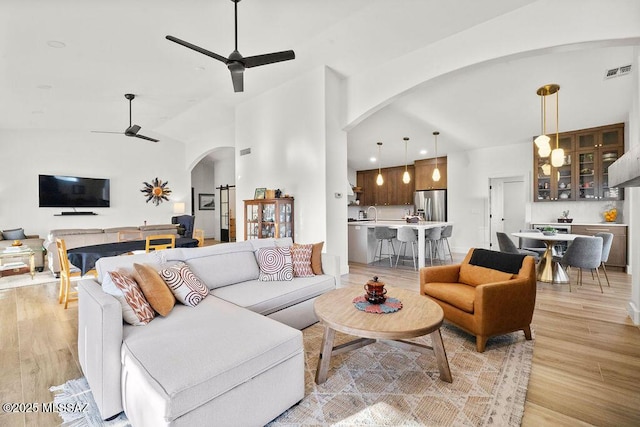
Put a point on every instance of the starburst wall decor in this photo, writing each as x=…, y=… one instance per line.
x=157, y=191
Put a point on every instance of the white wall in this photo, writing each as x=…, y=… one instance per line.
x=285, y=129
x=203, y=181
x=127, y=162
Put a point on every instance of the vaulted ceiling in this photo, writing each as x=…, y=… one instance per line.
x=66, y=65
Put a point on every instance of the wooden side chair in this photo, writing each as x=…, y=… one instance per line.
x=66, y=273
x=150, y=245
x=198, y=234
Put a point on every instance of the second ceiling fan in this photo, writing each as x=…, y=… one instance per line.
x=132, y=130
x=236, y=63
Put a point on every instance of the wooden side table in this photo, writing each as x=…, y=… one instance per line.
x=418, y=316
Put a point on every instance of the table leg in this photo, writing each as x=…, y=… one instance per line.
x=325, y=355
x=32, y=265
x=421, y=254
x=441, y=356
x=550, y=271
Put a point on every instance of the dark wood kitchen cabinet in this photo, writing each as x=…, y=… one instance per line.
x=618, y=254
x=392, y=192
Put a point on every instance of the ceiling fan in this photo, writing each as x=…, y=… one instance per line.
x=236, y=63
x=132, y=130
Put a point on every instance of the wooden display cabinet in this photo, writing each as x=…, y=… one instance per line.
x=551, y=183
x=268, y=218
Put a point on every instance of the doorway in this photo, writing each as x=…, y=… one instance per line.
x=227, y=216
x=507, y=205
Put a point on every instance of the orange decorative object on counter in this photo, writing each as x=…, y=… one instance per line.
x=611, y=215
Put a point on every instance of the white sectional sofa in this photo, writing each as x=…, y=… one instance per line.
x=236, y=359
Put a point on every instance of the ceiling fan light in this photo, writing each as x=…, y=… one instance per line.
x=436, y=174
x=544, y=151
x=405, y=177
x=379, y=179
x=542, y=141
x=557, y=157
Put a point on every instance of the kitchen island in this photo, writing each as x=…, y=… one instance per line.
x=362, y=243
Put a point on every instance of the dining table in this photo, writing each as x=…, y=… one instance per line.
x=85, y=257
x=548, y=269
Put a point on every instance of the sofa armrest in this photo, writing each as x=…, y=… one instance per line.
x=100, y=332
x=439, y=274
x=331, y=266
x=506, y=303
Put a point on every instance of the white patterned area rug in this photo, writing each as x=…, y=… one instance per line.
x=380, y=385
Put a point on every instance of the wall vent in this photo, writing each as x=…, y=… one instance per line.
x=618, y=71
x=245, y=151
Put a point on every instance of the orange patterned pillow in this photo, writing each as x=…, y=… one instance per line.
x=475, y=275
x=301, y=259
x=141, y=312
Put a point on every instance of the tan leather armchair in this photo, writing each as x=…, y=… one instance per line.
x=490, y=293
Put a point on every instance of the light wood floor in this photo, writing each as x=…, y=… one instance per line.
x=586, y=363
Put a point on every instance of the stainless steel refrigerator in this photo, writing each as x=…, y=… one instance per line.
x=433, y=203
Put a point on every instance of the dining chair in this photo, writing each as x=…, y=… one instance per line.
x=584, y=252
x=532, y=244
x=506, y=245
x=67, y=271
x=129, y=235
x=198, y=234
x=150, y=245
x=407, y=235
x=607, y=241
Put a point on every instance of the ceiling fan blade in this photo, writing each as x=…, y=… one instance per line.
x=132, y=130
x=237, y=76
x=268, y=58
x=198, y=49
x=105, y=131
x=146, y=137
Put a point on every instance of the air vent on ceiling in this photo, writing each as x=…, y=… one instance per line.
x=245, y=151
x=618, y=71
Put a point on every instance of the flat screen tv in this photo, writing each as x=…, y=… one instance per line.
x=57, y=191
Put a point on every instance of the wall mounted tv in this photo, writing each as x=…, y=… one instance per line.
x=57, y=191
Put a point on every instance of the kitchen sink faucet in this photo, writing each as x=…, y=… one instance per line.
x=375, y=210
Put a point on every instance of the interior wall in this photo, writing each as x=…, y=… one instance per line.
x=203, y=182
x=127, y=162
x=285, y=130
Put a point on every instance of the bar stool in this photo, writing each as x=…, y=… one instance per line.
x=432, y=236
x=447, y=231
x=404, y=236
x=383, y=234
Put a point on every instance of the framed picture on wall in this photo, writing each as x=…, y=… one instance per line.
x=260, y=192
x=206, y=202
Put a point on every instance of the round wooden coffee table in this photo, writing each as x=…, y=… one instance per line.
x=418, y=316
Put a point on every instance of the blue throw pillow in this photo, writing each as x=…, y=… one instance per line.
x=15, y=234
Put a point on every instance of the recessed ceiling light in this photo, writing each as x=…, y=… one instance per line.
x=372, y=159
x=44, y=86
x=200, y=69
x=423, y=152
x=55, y=43
x=37, y=112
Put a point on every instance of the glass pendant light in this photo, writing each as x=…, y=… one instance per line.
x=557, y=155
x=436, y=171
x=542, y=141
x=379, y=179
x=406, y=178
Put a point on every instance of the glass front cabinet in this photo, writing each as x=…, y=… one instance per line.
x=268, y=218
x=584, y=173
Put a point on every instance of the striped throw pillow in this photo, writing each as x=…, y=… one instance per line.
x=140, y=312
x=301, y=259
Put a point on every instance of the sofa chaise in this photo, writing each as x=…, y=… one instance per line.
x=237, y=358
x=77, y=237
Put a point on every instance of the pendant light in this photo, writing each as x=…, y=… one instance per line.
x=436, y=171
x=542, y=141
x=405, y=176
x=379, y=179
x=557, y=154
